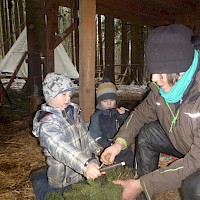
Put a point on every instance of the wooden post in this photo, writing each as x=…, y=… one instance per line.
x=36, y=43
x=87, y=37
x=52, y=27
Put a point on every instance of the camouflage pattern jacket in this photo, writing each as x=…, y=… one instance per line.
x=66, y=143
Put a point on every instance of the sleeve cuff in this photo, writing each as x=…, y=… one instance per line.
x=89, y=161
x=123, y=141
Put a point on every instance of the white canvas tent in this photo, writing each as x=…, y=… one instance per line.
x=63, y=64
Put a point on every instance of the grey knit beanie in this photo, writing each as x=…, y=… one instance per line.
x=106, y=90
x=55, y=84
x=169, y=49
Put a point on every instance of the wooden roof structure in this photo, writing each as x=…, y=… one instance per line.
x=150, y=13
x=146, y=12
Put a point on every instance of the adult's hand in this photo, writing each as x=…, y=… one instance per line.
x=109, y=154
x=132, y=188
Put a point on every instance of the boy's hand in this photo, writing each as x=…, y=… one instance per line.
x=92, y=171
x=121, y=110
x=109, y=154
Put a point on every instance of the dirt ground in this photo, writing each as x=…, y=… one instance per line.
x=19, y=154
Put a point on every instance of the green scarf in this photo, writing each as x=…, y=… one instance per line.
x=178, y=89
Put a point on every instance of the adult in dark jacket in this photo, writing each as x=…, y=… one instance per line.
x=107, y=120
x=168, y=120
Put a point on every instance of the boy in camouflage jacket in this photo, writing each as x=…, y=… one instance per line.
x=63, y=136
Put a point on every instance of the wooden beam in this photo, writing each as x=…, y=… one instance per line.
x=183, y=6
x=87, y=35
x=136, y=12
x=134, y=18
x=146, y=6
x=73, y=4
x=17, y=69
x=61, y=36
x=144, y=12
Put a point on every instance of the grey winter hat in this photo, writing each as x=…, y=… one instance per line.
x=169, y=49
x=55, y=84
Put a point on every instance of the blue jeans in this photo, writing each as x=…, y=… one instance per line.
x=40, y=184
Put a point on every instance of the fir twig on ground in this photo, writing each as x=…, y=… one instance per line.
x=101, y=188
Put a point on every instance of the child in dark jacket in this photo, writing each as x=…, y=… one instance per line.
x=107, y=120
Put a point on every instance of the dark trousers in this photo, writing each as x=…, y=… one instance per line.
x=40, y=184
x=151, y=141
x=127, y=156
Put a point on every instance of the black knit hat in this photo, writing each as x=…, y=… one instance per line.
x=196, y=41
x=169, y=49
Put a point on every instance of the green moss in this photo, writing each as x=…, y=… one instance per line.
x=101, y=188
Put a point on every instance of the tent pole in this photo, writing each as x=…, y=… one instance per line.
x=4, y=90
x=16, y=70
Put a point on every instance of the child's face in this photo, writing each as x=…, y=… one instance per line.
x=62, y=100
x=108, y=103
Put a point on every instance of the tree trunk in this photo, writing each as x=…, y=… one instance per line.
x=5, y=27
x=72, y=38
x=109, y=49
x=2, y=28
x=10, y=19
x=99, y=51
x=137, y=56
x=17, y=20
x=100, y=41
x=75, y=12
x=124, y=52
x=142, y=74
x=21, y=14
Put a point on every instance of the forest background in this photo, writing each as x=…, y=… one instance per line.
x=123, y=40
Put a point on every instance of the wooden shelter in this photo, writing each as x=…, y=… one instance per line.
x=150, y=13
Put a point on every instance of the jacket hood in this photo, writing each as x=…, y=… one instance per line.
x=47, y=110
